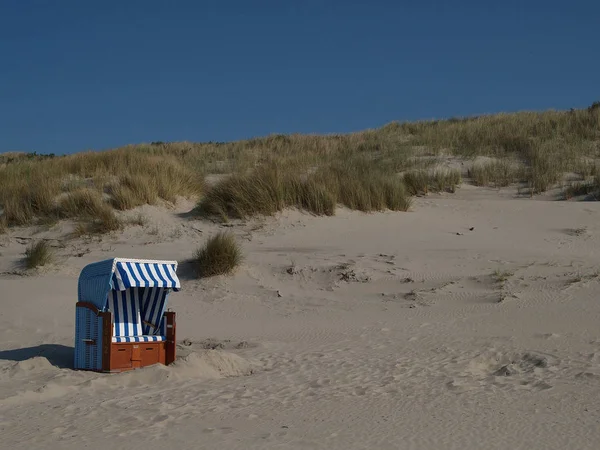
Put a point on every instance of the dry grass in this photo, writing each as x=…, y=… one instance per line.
x=30, y=189
x=105, y=222
x=219, y=256
x=496, y=173
x=95, y=216
x=422, y=181
x=315, y=173
x=81, y=203
x=579, y=189
x=506, y=134
x=361, y=185
x=38, y=254
x=590, y=188
x=270, y=189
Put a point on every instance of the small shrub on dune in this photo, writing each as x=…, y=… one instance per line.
x=38, y=254
x=219, y=256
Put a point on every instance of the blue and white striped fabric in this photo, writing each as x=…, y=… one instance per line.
x=138, y=338
x=128, y=274
x=95, y=282
x=125, y=307
x=154, y=302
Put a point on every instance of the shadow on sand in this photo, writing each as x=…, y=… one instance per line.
x=59, y=356
x=186, y=271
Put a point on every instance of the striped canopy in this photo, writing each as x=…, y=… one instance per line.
x=97, y=280
x=131, y=273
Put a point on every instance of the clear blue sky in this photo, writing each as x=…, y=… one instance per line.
x=77, y=74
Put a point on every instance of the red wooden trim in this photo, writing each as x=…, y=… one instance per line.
x=106, y=339
x=171, y=337
x=88, y=305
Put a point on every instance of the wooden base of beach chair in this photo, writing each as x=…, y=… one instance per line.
x=133, y=355
x=123, y=356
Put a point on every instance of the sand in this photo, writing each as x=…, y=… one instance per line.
x=470, y=322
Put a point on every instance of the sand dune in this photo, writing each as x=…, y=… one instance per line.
x=470, y=322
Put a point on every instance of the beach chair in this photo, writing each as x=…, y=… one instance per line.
x=121, y=318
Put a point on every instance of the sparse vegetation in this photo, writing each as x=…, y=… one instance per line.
x=38, y=254
x=502, y=276
x=139, y=219
x=219, y=256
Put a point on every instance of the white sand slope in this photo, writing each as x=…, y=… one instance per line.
x=359, y=331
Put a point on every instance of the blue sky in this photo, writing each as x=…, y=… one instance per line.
x=77, y=75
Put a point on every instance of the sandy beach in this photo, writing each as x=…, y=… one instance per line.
x=469, y=322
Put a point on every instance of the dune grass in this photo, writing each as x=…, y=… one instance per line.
x=588, y=187
x=580, y=189
x=314, y=173
x=38, y=254
x=32, y=190
x=270, y=189
x=439, y=180
x=94, y=215
x=496, y=173
x=220, y=255
x=82, y=202
x=105, y=221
